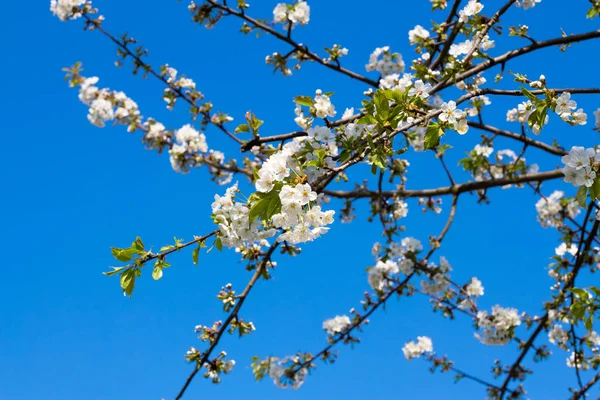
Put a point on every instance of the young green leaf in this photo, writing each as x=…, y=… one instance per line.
x=195, y=255
x=242, y=128
x=304, y=101
x=581, y=196
x=115, y=271
x=432, y=136
x=128, y=281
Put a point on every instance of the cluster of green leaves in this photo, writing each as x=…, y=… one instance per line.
x=520, y=31
x=260, y=368
x=129, y=273
x=385, y=111
x=265, y=205
x=594, y=11
x=73, y=74
x=585, y=305
x=251, y=126
x=136, y=256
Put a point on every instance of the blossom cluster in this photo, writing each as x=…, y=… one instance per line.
x=527, y=4
x=559, y=337
x=301, y=218
x=279, y=371
x=564, y=249
x=417, y=33
x=454, y=117
x=106, y=105
x=498, y=327
x=383, y=273
x=189, y=142
x=472, y=8
x=579, y=166
x=177, y=85
x=385, y=62
x=298, y=13
x=301, y=224
x=438, y=277
x=187, y=146
x=522, y=113
x=416, y=349
x=336, y=325
x=458, y=49
x=565, y=108
x=232, y=217
x=66, y=10
x=321, y=107
x=552, y=209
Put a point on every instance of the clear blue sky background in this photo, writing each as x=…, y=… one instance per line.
x=72, y=190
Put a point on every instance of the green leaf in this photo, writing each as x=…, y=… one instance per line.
x=595, y=189
x=121, y=254
x=529, y=95
x=313, y=163
x=157, y=272
x=165, y=248
x=581, y=293
x=592, y=12
x=242, y=128
x=254, y=122
x=138, y=244
x=219, y=244
x=195, y=255
x=577, y=311
x=115, y=271
x=432, y=136
x=304, y=101
x=128, y=281
x=581, y=196
x=268, y=205
x=589, y=322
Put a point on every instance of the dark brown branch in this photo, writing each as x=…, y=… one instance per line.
x=516, y=53
x=457, y=189
x=234, y=313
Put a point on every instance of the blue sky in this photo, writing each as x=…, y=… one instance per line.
x=72, y=191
